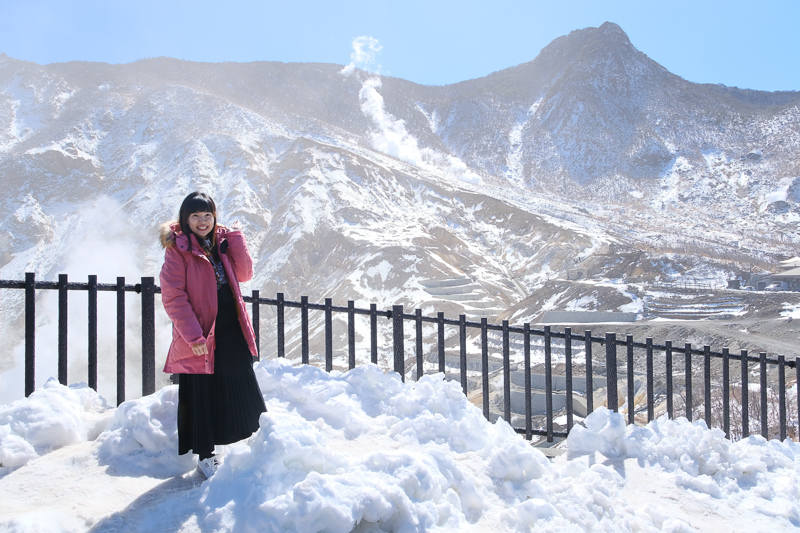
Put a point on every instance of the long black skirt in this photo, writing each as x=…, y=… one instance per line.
x=223, y=407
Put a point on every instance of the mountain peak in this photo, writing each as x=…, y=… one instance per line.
x=611, y=29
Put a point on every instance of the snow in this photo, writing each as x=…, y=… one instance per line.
x=363, y=451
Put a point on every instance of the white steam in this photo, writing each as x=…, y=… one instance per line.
x=390, y=135
x=100, y=241
x=364, y=56
x=392, y=138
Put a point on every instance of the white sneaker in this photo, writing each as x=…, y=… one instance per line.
x=208, y=466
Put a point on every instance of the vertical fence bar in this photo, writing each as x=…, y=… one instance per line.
x=587, y=342
x=62, y=328
x=92, y=334
x=328, y=334
x=397, y=329
x=304, y=340
x=782, y=396
x=797, y=385
x=707, y=383
x=30, y=333
x=256, y=319
x=763, y=385
x=420, y=358
x=462, y=341
x=612, y=397
x=120, y=340
x=568, y=372
x=148, y=336
x=351, y=334
x=440, y=344
x=506, y=373
x=629, y=374
x=526, y=349
x=745, y=396
x=373, y=333
x=726, y=391
x=485, y=366
x=281, y=333
x=650, y=392
x=668, y=376
x=687, y=359
x=548, y=381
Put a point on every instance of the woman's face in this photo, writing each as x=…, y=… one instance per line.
x=201, y=223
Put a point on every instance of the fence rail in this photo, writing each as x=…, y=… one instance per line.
x=733, y=398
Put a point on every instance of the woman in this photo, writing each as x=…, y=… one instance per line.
x=213, y=344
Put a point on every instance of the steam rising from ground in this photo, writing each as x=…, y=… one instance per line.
x=100, y=241
x=390, y=135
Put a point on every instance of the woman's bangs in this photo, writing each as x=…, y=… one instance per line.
x=201, y=204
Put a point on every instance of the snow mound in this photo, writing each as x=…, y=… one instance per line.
x=50, y=418
x=702, y=459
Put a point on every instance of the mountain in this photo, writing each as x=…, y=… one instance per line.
x=376, y=189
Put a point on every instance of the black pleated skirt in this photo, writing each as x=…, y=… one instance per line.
x=223, y=407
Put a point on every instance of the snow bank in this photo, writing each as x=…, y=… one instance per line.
x=337, y=451
x=362, y=451
x=143, y=437
x=50, y=418
x=702, y=459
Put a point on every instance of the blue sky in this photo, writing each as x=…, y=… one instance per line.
x=753, y=45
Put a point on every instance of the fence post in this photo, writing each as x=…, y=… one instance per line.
x=148, y=336
x=629, y=375
x=612, y=397
x=92, y=340
x=30, y=333
x=440, y=324
x=351, y=334
x=373, y=333
x=726, y=390
x=526, y=348
x=62, y=329
x=587, y=343
x=506, y=373
x=782, y=396
x=745, y=396
x=764, y=404
x=120, y=340
x=256, y=312
x=797, y=380
x=462, y=340
x=397, y=330
x=485, y=366
x=328, y=334
x=568, y=363
x=687, y=359
x=420, y=358
x=548, y=381
x=668, y=377
x=304, y=329
x=281, y=333
x=707, y=383
x=650, y=392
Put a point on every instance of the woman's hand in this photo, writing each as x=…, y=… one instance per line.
x=200, y=348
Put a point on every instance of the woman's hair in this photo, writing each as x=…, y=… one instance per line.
x=197, y=202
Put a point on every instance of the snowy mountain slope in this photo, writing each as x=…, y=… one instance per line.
x=372, y=189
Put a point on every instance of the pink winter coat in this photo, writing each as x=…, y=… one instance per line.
x=189, y=294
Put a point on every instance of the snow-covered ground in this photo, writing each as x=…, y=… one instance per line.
x=362, y=451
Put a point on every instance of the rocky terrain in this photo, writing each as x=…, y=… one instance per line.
x=374, y=189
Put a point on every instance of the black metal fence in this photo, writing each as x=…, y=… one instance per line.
x=736, y=399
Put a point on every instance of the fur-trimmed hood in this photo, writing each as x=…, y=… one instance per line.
x=168, y=233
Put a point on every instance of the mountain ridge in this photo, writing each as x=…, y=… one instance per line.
x=361, y=186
